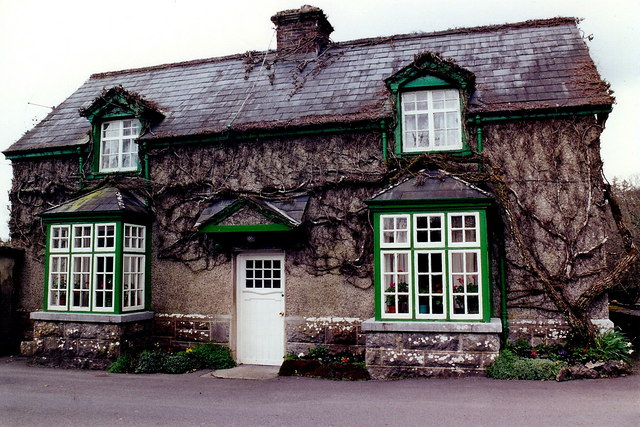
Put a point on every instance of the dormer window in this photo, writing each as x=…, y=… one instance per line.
x=118, y=150
x=431, y=120
x=431, y=94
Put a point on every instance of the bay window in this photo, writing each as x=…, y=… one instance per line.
x=432, y=265
x=96, y=267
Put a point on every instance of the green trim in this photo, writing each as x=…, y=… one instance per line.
x=237, y=136
x=385, y=148
x=430, y=205
x=421, y=82
x=504, y=315
x=43, y=153
x=280, y=223
x=487, y=118
x=212, y=228
x=427, y=207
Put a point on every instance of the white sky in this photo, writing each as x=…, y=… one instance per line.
x=48, y=48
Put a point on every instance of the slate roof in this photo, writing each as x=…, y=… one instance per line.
x=289, y=211
x=103, y=200
x=531, y=65
x=431, y=185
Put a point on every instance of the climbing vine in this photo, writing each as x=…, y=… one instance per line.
x=546, y=176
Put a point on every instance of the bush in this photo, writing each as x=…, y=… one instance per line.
x=150, y=362
x=123, y=364
x=510, y=366
x=211, y=356
x=177, y=363
x=612, y=345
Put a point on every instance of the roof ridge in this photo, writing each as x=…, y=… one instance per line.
x=170, y=65
x=355, y=42
x=464, y=30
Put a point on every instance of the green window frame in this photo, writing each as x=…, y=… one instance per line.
x=97, y=267
x=432, y=264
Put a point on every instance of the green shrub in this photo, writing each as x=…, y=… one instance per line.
x=612, y=345
x=150, y=362
x=211, y=356
x=123, y=364
x=510, y=366
x=177, y=363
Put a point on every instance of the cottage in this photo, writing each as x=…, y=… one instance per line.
x=419, y=197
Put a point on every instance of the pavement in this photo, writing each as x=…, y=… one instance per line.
x=246, y=372
x=38, y=396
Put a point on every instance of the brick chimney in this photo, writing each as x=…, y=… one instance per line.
x=304, y=30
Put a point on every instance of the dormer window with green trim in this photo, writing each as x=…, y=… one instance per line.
x=430, y=95
x=118, y=118
x=431, y=120
x=118, y=149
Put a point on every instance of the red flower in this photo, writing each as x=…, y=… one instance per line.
x=534, y=353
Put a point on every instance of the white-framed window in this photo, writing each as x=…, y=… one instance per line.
x=59, y=240
x=105, y=237
x=431, y=120
x=436, y=272
x=430, y=284
x=80, y=282
x=465, y=297
x=82, y=237
x=396, y=279
x=464, y=229
x=118, y=150
x=395, y=231
x=103, y=279
x=58, y=282
x=428, y=230
x=134, y=236
x=133, y=267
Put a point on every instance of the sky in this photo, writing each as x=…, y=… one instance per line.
x=49, y=48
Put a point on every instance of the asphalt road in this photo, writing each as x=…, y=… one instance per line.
x=34, y=396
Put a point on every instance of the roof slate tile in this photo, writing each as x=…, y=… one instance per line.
x=523, y=66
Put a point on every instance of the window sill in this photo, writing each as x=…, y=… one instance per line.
x=372, y=325
x=92, y=317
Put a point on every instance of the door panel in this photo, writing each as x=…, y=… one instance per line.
x=260, y=308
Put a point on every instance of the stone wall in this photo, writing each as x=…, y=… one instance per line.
x=410, y=349
x=184, y=330
x=336, y=333
x=87, y=345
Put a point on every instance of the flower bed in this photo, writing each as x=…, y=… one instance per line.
x=609, y=355
x=204, y=356
x=320, y=363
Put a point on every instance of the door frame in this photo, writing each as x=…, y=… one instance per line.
x=238, y=277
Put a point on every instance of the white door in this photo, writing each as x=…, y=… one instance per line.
x=260, y=308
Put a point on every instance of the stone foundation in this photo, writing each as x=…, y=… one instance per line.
x=187, y=330
x=410, y=349
x=85, y=340
x=547, y=331
x=336, y=333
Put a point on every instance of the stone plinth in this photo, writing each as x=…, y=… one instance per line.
x=399, y=349
x=89, y=341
